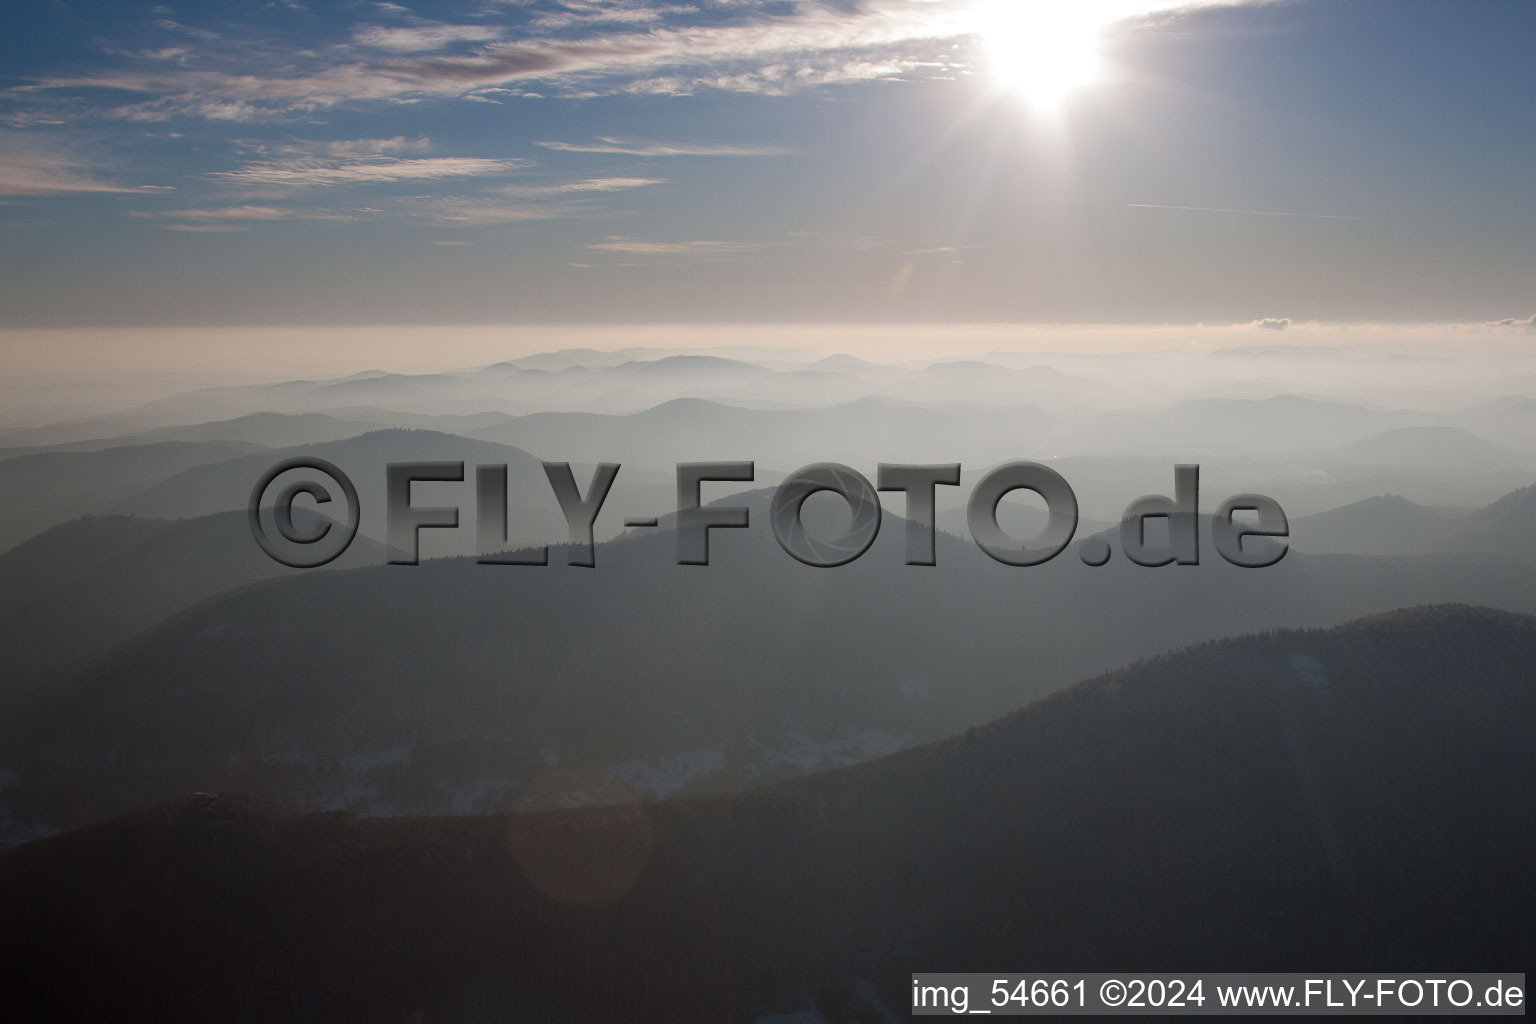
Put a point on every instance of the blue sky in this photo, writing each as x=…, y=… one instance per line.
x=740, y=161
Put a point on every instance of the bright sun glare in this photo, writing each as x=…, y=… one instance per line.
x=1043, y=51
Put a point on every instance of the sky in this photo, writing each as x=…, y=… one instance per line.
x=757, y=162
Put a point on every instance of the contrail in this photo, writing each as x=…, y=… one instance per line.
x=1252, y=213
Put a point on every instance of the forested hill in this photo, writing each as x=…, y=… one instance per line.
x=1348, y=799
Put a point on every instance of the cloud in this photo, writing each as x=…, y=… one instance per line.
x=1273, y=323
x=748, y=57
x=936, y=250
x=508, y=204
x=247, y=212
x=605, y=144
x=476, y=211
x=636, y=247
x=374, y=147
x=578, y=13
x=308, y=173
x=164, y=53
x=1528, y=324
x=422, y=38
x=204, y=228
x=1246, y=213
x=588, y=185
x=194, y=32
x=28, y=168
x=587, y=49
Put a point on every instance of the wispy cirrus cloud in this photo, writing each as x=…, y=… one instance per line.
x=1243, y=213
x=422, y=38
x=479, y=211
x=509, y=204
x=230, y=218
x=32, y=168
x=298, y=174
x=637, y=247
x=582, y=49
x=586, y=185
x=935, y=250
x=596, y=49
x=605, y=144
x=742, y=57
x=370, y=147
x=585, y=13
x=191, y=31
x=205, y=229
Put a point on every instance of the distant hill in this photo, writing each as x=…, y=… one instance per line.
x=1262, y=426
x=449, y=687
x=45, y=488
x=505, y=387
x=426, y=392
x=533, y=512
x=567, y=357
x=615, y=382
x=1510, y=420
x=1344, y=800
x=1431, y=446
x=75, y=591
x=269, y=430
x=1393, y=525
x=688, y=367
x=690, y=429
x=841, y=362
x=1388, y=524
x=1507, y=526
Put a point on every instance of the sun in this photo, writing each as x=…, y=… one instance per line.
x=1043, y=51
